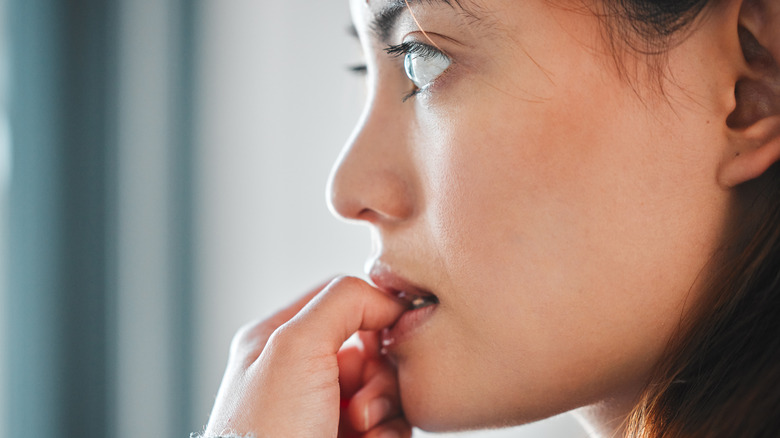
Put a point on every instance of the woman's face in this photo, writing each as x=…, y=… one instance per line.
x=559, y=207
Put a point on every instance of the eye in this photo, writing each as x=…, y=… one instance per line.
x=422, y=63
x=423, y=69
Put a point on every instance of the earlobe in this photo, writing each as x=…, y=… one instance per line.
x=754, y=124
x=758, y=148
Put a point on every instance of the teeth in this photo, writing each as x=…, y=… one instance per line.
x=415, y=301
x=420, y=302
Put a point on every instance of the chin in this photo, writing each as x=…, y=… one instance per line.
x=434, y=403
x=432, y=418
x=427, y=405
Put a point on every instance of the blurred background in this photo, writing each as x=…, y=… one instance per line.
x=162, y=176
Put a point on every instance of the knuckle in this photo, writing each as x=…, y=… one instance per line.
x=250, y=340
x=287, y=338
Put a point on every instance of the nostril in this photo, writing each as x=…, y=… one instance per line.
x=368, y=215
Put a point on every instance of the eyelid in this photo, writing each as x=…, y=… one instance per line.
x=415, y=47
x=421, y=50
x=419, y=45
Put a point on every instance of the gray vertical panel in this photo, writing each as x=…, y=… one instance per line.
x=144, y=346
x=34, y=269
x=181, y=246
x=5, y=167
x=154, y=317
x=60, y=263
x=89, y=146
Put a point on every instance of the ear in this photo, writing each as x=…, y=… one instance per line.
x=755, y=122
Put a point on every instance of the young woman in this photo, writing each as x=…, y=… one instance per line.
x=575, y=206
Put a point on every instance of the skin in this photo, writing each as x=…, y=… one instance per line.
x=562, y=209
x=563, y=245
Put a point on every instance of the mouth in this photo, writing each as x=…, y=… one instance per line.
x=390, y=283
x=421, y=304
x=417, y=301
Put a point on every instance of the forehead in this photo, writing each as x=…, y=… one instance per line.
x=408, y=2
x=470, y=7
x=380, y=16
x=376, y=7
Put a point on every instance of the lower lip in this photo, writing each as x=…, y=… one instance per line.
x=407, y=324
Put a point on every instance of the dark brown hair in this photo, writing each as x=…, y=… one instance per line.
x=720, y=376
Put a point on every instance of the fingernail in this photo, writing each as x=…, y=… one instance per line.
x=376, y=411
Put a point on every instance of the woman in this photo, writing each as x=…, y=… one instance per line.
x=574, y=207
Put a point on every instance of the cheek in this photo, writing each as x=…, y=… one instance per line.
x=602, y=192
x=569, y=250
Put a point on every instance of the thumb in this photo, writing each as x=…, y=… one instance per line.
x=346, y=305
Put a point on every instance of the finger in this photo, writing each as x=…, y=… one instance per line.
x=370, y=342
x=345, y=427
x=350, y=360
x=345, y=306
x=288, y=312
x=377, y=365
x=396, y=428
x=251, y=339
x=378, y=400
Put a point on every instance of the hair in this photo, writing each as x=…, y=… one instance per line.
x=720, y=374
x=649, y=26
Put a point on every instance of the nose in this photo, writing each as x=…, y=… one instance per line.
x=374, y=180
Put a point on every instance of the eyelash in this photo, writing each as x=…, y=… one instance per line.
x=358, y=69
x=413, y=47
x=424, y=50
x=398, y=51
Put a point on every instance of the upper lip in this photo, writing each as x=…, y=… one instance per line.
x=391, y=283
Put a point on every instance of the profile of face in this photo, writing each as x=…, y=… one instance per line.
x=559, y=205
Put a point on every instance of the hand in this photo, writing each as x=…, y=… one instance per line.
x=369, y=393
x=283, y=375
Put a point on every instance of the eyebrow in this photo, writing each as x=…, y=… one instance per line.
x=385, y=21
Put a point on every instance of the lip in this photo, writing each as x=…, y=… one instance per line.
x=410, y=321
x=407, y=326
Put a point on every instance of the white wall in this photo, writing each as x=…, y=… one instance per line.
x=275, y=105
